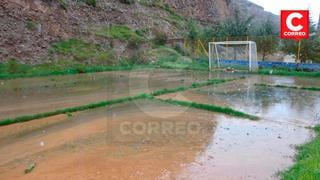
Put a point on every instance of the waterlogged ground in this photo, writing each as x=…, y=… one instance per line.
x=151, y=140
x=36, y=95
x=108, y=143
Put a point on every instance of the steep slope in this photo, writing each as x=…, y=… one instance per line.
x=29, y=28
x=210, y=11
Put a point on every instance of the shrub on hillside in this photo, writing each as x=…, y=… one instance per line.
x=92, y=3
x=160, y=38
x=127, y=1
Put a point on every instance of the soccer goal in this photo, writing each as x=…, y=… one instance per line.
x=235, y=54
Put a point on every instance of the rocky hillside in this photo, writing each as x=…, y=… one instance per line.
x=31, y=29
x=219, y=10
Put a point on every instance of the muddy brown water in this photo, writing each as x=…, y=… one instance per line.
x=121, y=142
x=151, y=140
x=300, y=107
x=35, y=95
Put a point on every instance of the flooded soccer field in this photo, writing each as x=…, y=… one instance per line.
x=152, y=139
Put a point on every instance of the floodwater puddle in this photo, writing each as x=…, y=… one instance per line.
x=284, y=105
x=148, y=139
x=121, y=141
x=243, y=149
x=35, y=95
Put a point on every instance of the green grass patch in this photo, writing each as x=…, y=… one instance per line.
x=121, y=32
x=82, y=51
x=290, y=87
x=307, y=164
x=194, y=85
x=207, y=107
x=287, y=72
x=72, y=109
x=13, y=70
x=168, y=58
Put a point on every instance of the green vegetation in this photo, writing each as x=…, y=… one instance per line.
x=31, y=25
x=153, y=3
x=267, y=39
x=92, y=3
x=12, y=69
x=287, y=72
x=207, y=107
x=169, y=58
x=310, y=48
x=160, y=38
x=127, y=1
x=236, y=27
x=307, y=161
x=194, y=85
x=290, y=87
x=71, y=109
x=121, y=32
x=81, y=51
x=63, y=4
x=30, y=168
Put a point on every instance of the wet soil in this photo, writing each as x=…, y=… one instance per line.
x=151, y=140
x=35, y=95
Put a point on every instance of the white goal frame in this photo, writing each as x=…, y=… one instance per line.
x=253, y=66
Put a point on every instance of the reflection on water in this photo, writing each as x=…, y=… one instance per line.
x=242, y=149
x=34, y=95
x=276, y=104
x=150, y=140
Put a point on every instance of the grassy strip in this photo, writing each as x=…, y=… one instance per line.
x=287, y=72
x=224, y=110
x=72, y=109
x=48, y=70
x=290, y=87
x=307, y=164
x=194, y=85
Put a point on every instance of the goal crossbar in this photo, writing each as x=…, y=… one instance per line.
x=214, y=52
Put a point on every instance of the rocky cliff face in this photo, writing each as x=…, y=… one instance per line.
x=206, y=11
x=28, y=27
x=210, y=11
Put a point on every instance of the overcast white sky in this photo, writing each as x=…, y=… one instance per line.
x=275, y=6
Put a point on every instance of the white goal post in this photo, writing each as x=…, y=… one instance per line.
x=238, y=54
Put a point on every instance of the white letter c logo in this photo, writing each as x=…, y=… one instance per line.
x=290, y=19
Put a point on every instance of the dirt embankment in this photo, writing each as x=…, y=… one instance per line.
x=29, y=27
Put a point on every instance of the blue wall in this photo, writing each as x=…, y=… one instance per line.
x=273, y=64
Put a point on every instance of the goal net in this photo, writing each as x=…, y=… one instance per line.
x=235, y=54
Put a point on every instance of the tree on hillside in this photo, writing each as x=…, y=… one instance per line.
x=193, y=32
x=309, y=48
x=267, y=40
x=234, y=27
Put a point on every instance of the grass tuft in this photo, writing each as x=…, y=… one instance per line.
x=72, y=109
x=207, y=107
x=121, y=32
x=288, y=72
x=290, y=87
x=192, y=86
